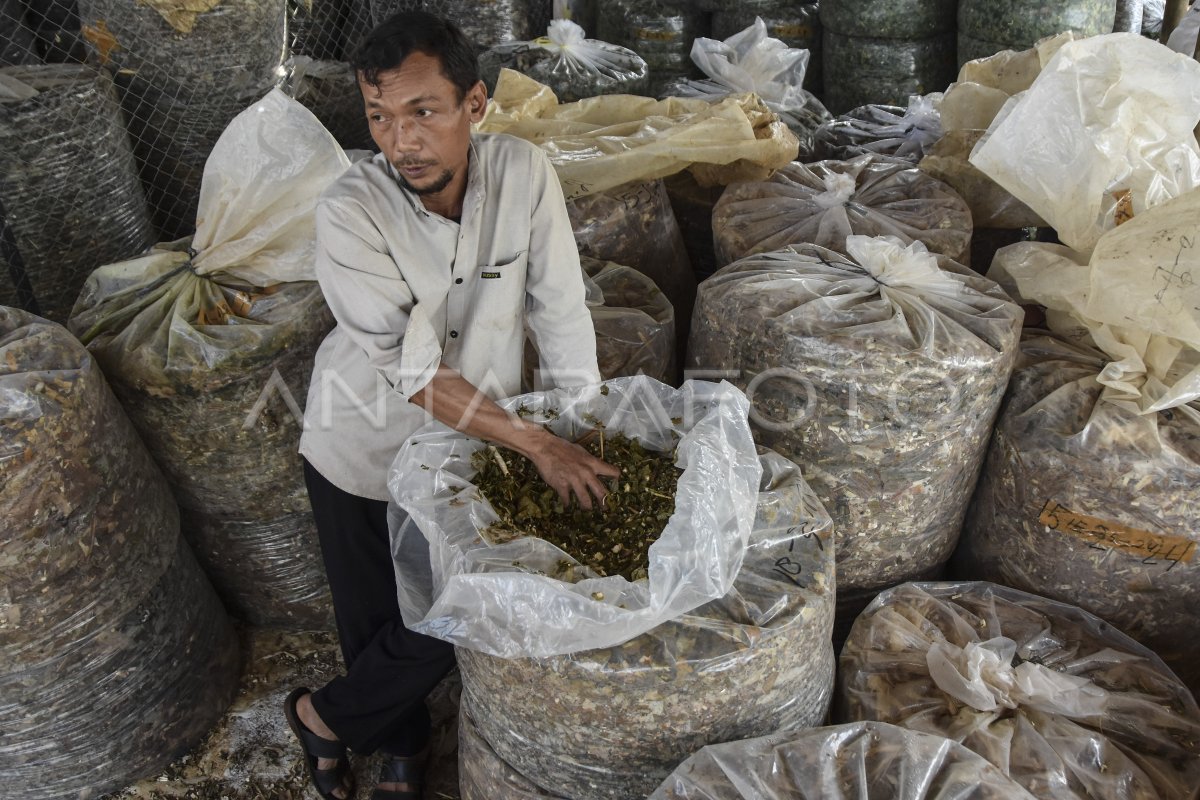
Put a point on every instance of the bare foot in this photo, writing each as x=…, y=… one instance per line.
x=308, y=715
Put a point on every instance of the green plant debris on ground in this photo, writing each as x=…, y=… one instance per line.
x=611, y=539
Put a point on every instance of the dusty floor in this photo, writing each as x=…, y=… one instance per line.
x=252, y=755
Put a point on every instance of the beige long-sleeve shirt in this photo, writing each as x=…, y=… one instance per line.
x=412, y=290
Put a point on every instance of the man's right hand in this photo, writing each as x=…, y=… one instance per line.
x=569, y=469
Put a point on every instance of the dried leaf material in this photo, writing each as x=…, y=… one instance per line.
x=823, y=203
x=888, y=71
x=611, y=723
x=612, y=539
x=182, y=14
x=483, y=775
x=865, y=760
x=68, y=182
x=903, y=133
x=885, y=393
x=1018, y=24
x=1063, y=703
x=1059, y=441
x=485, y=23
x=96, y=584
x=660, y=31
x=899, y=19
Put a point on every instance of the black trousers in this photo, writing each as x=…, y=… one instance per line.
x=379, y=704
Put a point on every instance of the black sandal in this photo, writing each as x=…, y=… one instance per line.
x=400, y=769
x=325, y=780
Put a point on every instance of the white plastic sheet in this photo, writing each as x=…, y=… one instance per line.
x=482, y=602
x=1104, y=132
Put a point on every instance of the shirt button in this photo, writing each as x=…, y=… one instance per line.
x=458, y=280
x=453, y=334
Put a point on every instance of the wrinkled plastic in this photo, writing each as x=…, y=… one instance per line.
x=858, y=761
x=826, y=202
x=1104, y=132
x=881, y=373
x=211, y=354
x=60, y=125
x=903, y=133
x=603, y=142
x=482, y=602
x=610, y=724
x=797, y=25
x=572, y=66
x=1020, y=23
x=634, y=323
x=329, y=89
x=660, y=31
x=115, y=653
x=1183, y=38
x=1152, y=16
x=884, y=71
x=1129, y=16
x=483, y=775
x=1057, y=699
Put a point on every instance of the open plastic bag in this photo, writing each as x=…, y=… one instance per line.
x=603, y=142
x=209, y=345
x=611, y=723
x=1104, y=133
x=903, y=133
x=881, y=373
x=572, y=66
x=858, y=761
x=482, y=602
x=826, y=202
x=752, y=61
x=1060, y=701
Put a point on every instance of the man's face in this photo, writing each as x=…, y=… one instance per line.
x=421, y=127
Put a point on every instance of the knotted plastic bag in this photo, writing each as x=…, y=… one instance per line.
x=903, y=133
x=481, y=601
x=1104, y=132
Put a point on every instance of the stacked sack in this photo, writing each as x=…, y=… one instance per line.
x=797, y=25
x=901, y=133
x=985, y=28
x=884, y=52
x=598, y=688
x=209, y=344
x=660, y=31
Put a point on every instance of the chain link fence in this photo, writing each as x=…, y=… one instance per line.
x=109, y=109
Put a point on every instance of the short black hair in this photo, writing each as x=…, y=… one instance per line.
x=408, y=32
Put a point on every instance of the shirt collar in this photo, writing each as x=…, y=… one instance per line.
x=475, y=187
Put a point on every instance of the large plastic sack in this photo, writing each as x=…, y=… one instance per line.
x=572, y=66
x=881, y=373
x=752, y=61
x=481, y=602
x=1103, y=133
x=209, y=345
x=826, y=202
x=482, y=774
x=858, y=761
x=1129, y=16
x=899, y=19
x=1020, y=23
x=881, y=70
x=1060, y=701
x=330, y=90
x=660, y=31
x=611, y=723
x=603, y=142
x=115, y=654
x=692, y=205
x=903, y=133
x=797, y=25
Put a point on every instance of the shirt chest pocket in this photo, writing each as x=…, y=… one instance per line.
x=509, y=270
x=499, y=295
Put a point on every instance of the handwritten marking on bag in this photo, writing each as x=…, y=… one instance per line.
x=791, y=570
x=1104, y=535
x=1175, y=277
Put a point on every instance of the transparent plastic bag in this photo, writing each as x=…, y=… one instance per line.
x=329, y=89
x=210, y=350
x=1060, y=701
x=826, y=202
x=572, y=66
x=797, y=25
x=881, y=373
x=660, y=31
x=115, y=653
x=897, y=19
x=861, y=760
x=884, y=71
x=903, y=133
x=603, y=142
x=1103, y=133
x=483, y=775
x=483, y=603
x=610, y=724
x=1019, y=23
x=1183, y=38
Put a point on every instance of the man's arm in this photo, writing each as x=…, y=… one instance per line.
x=565, y=466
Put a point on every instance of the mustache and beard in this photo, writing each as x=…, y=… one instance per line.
x=439, y=183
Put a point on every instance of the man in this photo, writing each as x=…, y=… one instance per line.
x=432, y=256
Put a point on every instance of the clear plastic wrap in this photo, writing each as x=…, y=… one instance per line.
x=795, y=24
x=69, y=190
x=18, y=45
x=634, y=323
x=752, y=61
x=881, y=373
x=1183, y=38
x=1129, y=16
x=971, y=49
x=610, y=724
x=896, y=19
x=1152, y=17
x=904, y=133
x=660, y=31
x=483, y=775
x=210, y=351
x=823, y=203
x=1104, y=132
x=486, y=24
x=329, y=89
x=1060, y=701
x=115, y=653
x=857, y=761
x=572, y=66
x=314, y=28
x=884, y=71
x=482, y=602
x=1017, y=24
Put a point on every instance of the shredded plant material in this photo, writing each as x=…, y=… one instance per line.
x=612, y=540
x=1020, y=23
x=876, y=70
